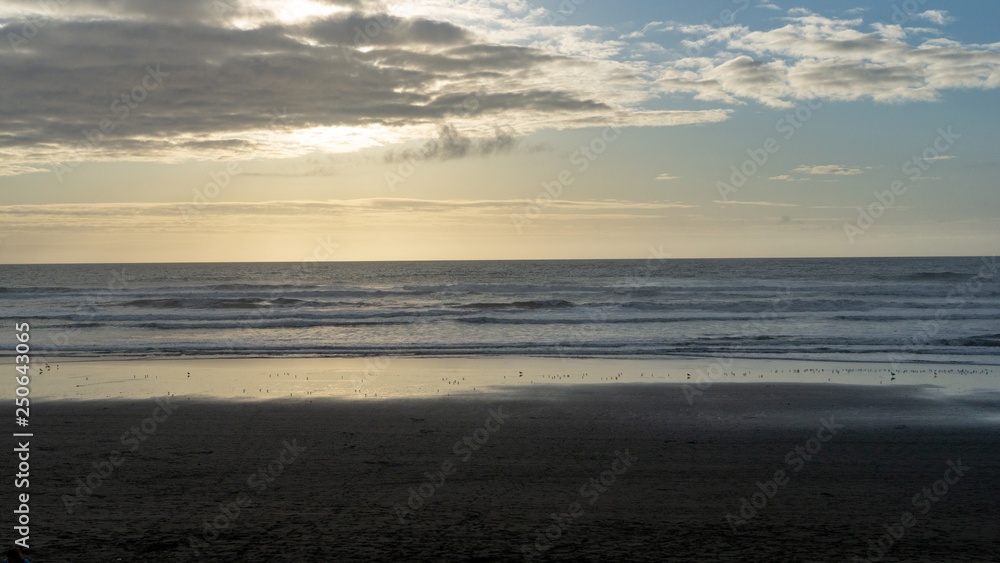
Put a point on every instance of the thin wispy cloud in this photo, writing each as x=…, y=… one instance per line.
x=18, y=169
x=828, y=169
x=180, y=216
x=759, y=203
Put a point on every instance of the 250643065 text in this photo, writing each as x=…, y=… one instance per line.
x=22, y=364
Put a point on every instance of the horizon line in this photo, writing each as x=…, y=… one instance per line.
x=498, y=260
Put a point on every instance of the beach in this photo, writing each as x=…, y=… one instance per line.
x=548, y=470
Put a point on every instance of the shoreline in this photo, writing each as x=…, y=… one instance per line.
x=870, y=359
x=400, y=377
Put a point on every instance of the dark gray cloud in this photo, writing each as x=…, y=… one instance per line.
x=174, y=11
x=144, y=79
x=219, y=79
x=225, y=80
x=360, y=30
x=451, y=144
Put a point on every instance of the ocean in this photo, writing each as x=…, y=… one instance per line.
x=943, y=310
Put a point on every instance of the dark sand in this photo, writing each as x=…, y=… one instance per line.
x=335, y=501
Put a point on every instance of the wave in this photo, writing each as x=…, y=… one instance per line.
x=620, y=320
x=47, y=290
x=210, y=303
x=937, y=316
x=984, y=341
x=755, y=305
x=552, y=313
x=380, y=319
x=939, y=276
x=665, y=294
x=266, y=324
x=244, y=286
x=536, y=304
x=588, y=349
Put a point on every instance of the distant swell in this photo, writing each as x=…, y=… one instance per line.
x=939, y=276
x=986, y=341
x=155, y=303
x=543, y=304
x=266, y=324
x=233, y=303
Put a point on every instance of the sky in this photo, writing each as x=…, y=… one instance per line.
x=267, y=130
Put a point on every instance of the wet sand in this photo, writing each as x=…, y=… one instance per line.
x=628, y=472
x=407, y=377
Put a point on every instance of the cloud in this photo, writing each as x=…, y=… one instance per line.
x=218, y=216
x=940, y=17
x=651, y=27
x=666, y=176
x=17, y=169
x=356, y=74
x=761, y=203
x=818, y=170
x=940, y=157
x=829, y=169
x=768, y=5
x=293, y=208
x=451, y=144
x=816, y=57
